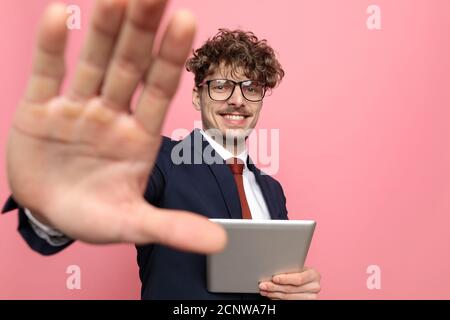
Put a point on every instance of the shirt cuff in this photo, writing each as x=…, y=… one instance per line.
x=52, y=236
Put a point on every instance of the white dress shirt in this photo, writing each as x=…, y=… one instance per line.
x=255, y=199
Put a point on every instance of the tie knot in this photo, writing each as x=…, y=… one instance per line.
x=236, y=165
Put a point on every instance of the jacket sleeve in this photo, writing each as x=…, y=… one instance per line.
x=29, y=233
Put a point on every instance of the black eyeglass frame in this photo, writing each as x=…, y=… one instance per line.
x=207, y=82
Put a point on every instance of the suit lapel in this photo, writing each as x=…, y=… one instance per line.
x=228, y=188
x=221, y=173
x=271, y=201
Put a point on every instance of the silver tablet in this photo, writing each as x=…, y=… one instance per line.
x=256, y=250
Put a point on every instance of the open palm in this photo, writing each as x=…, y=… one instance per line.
x=80, y=161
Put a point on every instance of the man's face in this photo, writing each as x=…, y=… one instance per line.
x=234, y=117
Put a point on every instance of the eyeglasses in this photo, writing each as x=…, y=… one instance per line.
x=223, y=89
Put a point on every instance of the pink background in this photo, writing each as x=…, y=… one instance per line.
x=365, y=144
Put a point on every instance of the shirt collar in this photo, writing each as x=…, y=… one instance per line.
x=224, y=153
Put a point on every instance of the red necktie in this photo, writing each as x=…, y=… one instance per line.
x=237, y=167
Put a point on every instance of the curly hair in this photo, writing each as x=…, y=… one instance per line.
x=239, y=50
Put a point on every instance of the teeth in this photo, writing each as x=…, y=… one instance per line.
x=234, y=117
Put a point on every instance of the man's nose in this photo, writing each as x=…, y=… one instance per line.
x=237, y=99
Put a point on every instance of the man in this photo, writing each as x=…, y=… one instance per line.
x=79, y=164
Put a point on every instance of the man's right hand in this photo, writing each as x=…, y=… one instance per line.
x=80, y=161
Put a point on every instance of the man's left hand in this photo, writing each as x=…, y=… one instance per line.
x=303, y=285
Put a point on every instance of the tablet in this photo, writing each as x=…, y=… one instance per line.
x=257, y=250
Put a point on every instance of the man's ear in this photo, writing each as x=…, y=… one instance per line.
x=196, y=98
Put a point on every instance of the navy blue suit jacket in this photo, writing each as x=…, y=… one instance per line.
x=207, y=189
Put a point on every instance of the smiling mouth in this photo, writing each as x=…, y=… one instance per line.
x=234, y=117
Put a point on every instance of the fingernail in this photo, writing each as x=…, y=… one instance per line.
x=262, y=286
